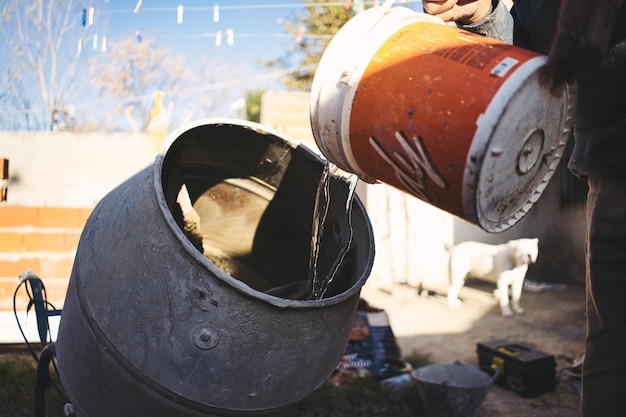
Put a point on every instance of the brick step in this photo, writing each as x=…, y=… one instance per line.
x=47, y=217
x=31, y=239
x=45, y=264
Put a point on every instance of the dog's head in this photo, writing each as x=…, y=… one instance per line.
x=526, y=250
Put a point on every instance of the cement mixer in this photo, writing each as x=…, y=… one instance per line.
x=177, y=303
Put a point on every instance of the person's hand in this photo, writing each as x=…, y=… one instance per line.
x=462, y=11
x=583, y=36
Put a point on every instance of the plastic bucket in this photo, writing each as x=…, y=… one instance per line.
x=153, y=326
x=453, y=390
x=462, y=121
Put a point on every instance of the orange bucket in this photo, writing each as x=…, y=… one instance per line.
x=462, y=121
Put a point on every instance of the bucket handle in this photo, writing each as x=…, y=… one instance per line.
x=494, y=377
x=496, y=373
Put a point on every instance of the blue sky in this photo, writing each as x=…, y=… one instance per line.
x=254, y=24
x=256, y=28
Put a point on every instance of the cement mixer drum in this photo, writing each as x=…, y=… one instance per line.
x=160, y=321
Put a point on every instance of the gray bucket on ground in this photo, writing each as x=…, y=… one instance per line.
x=453, y=390
x=159, y=323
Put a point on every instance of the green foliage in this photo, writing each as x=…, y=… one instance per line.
x=320, y=24
x=417, y=360
x=253, y=105
x=17, y=388
x=367, y=398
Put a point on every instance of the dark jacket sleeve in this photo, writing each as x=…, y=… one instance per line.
x=599, y=148
x=498, y=24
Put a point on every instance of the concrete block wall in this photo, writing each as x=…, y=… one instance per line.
x=42, y=239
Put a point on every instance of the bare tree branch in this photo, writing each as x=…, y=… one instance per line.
x=41, y=36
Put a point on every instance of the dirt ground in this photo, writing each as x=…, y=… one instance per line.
x=554, y=323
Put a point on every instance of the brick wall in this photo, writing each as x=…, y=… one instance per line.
x=42, y=239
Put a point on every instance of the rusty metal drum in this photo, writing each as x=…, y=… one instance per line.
x=461, y=121
x=161, y=320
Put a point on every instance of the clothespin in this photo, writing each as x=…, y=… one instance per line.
x=94, y=46
x=104, y=44
x=138, y=36
x=80, y=46
x=218, y=38
x=230, y=37
x=137, y=7
x=91, y=13
x=300, y=34
x=179, y=17
x=84, y=17
x=216, y=13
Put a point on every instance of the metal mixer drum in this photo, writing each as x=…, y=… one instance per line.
x=160, y=322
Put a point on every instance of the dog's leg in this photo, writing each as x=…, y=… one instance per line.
x=516, y=297
x=517, y=285
x=503, y=296
x=453, y=296
x=456, y=275
x=456, y=283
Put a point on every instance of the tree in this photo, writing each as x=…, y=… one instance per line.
x=313, y=29
x=253, y=104
x=210, y=88
x=135, y=76
x=41, y=79
x=142, y=82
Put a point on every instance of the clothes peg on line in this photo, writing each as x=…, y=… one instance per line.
x=179, y=16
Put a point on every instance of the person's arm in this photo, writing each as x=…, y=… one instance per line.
x=583, y=30
x=583, y=36
x=486, y=17
x=497, y=24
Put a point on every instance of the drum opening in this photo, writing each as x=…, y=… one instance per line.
x=244, y=198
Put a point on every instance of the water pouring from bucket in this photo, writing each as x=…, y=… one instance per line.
x=331, y=234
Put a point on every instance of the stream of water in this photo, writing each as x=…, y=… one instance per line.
x=331, y=233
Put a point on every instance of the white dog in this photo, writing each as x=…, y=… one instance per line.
x=505, y=265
